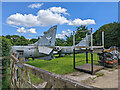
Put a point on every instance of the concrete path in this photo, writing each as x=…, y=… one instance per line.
x=107, y=78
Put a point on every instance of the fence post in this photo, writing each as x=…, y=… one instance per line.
x=13, y=68
x=21, y=72
x=11, y=73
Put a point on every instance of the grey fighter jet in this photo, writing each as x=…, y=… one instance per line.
x=62, y=50
x=41, y=49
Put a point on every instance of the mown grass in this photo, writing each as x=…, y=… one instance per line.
x=61, y=65
x=35, y=80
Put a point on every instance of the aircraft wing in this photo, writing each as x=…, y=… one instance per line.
x=45, y=50
x=65, y=49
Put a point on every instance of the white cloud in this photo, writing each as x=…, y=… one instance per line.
x=59, y=36
x=78, y=22
x=47, y=17
x=38, y=5
x=21, y=30
x=51, y=16
x=32, y=30
x=59, y=10
x=63, y=32
x=43, y=18
x=23, y=20
x=68, y=32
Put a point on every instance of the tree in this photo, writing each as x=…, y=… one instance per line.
x=33, y=40
x=8, y=36
x=14, y=38
x=78, y=36
x=6, y=46
x=23, y=41
x=17, y=40
x=112, y=35
x=60, y=42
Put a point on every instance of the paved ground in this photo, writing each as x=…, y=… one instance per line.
x=107, y=78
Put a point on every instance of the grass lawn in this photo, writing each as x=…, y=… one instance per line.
x=61, y=65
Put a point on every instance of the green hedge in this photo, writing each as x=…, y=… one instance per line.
x=5, y=46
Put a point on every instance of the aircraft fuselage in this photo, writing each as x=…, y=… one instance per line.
x=28, y=51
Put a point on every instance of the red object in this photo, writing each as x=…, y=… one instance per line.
x=115, y=61
x=111, y=62
x=107, y=61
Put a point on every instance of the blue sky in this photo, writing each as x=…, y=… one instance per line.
x=101, y=12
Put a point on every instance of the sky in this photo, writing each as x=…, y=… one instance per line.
x=31, y=19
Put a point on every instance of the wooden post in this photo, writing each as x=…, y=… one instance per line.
x=28, y=76
x=48, y=85
x=74, y=49
x=91, y=40
x=86, y=39
x=92, y=62
x=21, y=62
x=74, y=58
x=91, y=52
x=103, y=57
x=11, y=73
x=103, y=48
x=73, y=38
x=103, y=38
x=14, y=74
x=91, y=30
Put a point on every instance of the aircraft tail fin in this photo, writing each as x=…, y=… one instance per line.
x=49, y=37
x=84, y=41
